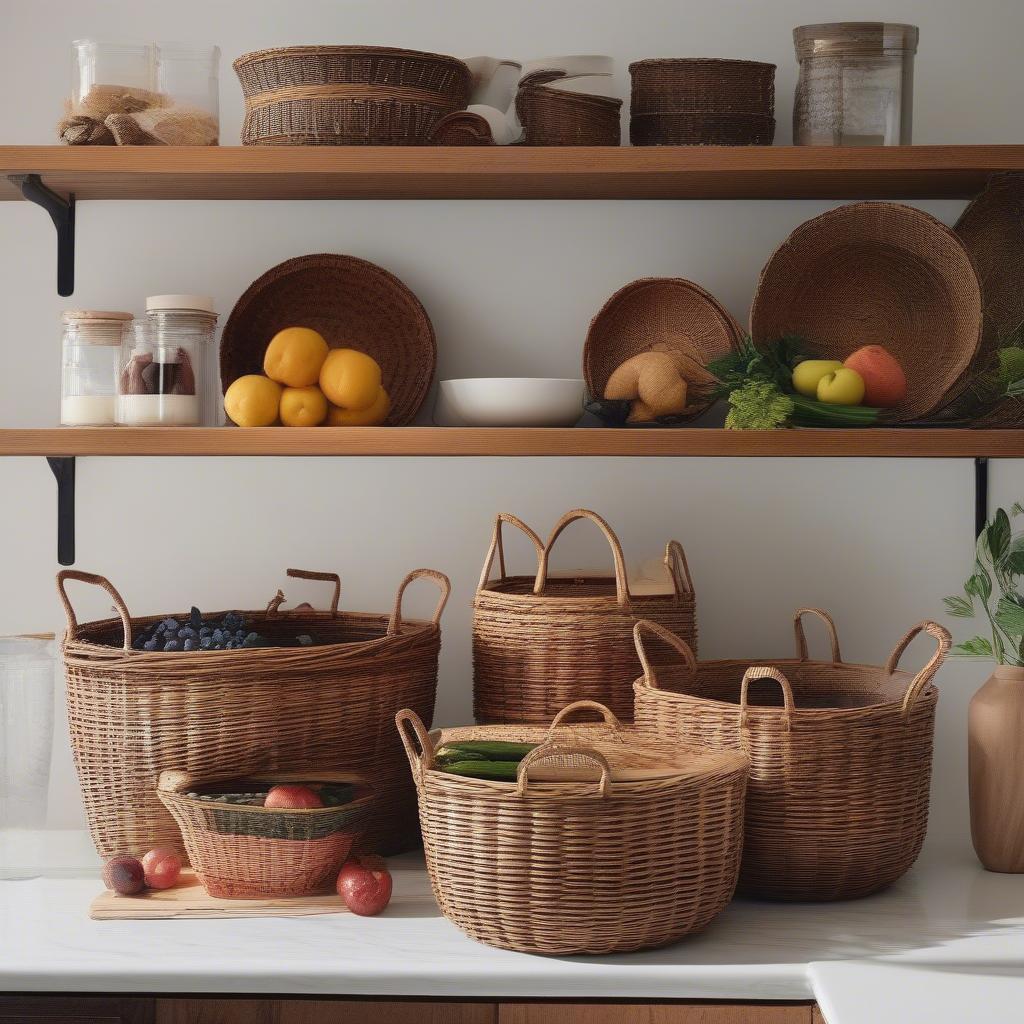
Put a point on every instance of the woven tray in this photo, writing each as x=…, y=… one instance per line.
x=553, y=117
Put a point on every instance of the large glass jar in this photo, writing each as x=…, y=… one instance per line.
x=856, y=84
x=90, y=351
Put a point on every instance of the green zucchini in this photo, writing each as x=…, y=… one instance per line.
x=497, y=771
x=488, y=750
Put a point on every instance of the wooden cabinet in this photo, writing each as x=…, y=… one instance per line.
x=320, y=1011
x=648, y=1013
x=75, y=1010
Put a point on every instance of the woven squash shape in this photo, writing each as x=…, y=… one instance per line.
x=837, y=801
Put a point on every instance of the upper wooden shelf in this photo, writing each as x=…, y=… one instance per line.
x=503, y=172
x=474, y=441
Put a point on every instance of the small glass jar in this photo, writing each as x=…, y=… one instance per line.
x=189, y=75
x=856, y=84
x=163, y=363
x=90, y=351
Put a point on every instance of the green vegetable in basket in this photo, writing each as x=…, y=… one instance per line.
x=481, y=750
x=497, y=771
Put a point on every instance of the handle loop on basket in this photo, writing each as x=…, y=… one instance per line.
x=97, y=581
x=766, y=672
x=801, y=637
x=919, y=683
x=621, y=586
x=273, y=608
x=584, y=705
x=498, y=545
x=443, y=584
x=679, y=569
x=414, y=735
x=547, y=751
x=646, y=625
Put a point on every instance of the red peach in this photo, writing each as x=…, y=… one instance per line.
x=162, y=867
x=124, y=875
x=885, y=384
x=365, y=885
x=292, y=797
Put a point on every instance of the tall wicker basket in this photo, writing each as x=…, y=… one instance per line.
x=608, y=842
x=837, y=803
x=133, y=714
x=540, y=642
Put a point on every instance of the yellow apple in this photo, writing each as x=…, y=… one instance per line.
x=809, y=372
x=844, y=387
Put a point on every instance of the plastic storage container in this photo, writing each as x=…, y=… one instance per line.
x=90, y=350
x=856, y=84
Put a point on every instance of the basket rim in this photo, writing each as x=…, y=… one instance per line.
x=322, y=50
x=718, y=62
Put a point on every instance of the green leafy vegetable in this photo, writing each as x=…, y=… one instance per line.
x=758, y=405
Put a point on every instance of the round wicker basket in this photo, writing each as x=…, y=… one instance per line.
x=666, y=314
x=882, y=274
x=354, y=304
x=701, y=128
x=687, y=84
x=837, y=802
x=608, y=842
x=553, y=117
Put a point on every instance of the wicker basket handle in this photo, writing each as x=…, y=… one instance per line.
x=645, y=625
x=584, y=705
x=621, y=586
x=801, y=637
x=97, y=581
x=925, y=676
x=679, y=569
x=766, y=672
x=497, y=545
x=416, y=740
x=548, y=751
x=443, y=584
x=308, y=574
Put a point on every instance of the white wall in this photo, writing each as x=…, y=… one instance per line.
x=511, y=287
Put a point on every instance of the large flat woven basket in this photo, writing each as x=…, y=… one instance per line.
x=837, y=803
x=639, y=849
x=133, y=714
x=541, y=642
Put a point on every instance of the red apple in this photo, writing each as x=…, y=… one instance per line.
x=885, y=384
x=162, y=868
x=124, y=875
x=365, y=885
x=293, y=797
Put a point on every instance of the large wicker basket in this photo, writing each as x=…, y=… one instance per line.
x=540, y=642
x=133, y=714
x=882, y=274
x=837, y=804
x=354, y=304
x=347, y=95
x=607, y=842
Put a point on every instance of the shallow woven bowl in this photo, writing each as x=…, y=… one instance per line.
x=353, y=304
x=701, y=128
x=553, y=117
x=698, y=83
x=666, y=314
x=877, y=274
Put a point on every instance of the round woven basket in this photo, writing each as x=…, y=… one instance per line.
x=837, y=802
x=701, y=128
x=553, y=117
x=637, y=847
x=540, y=642
x=354, y=304
x=686, y=84
x=877, y=274
x=661, y=314
x=134, y=714
x=347, y=95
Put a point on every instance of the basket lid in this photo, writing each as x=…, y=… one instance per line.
x=197, y=303
x=854, y=37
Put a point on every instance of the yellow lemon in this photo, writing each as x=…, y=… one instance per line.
x=252, y=401
x=303, y=407
x=294, y=357
x=372, y=416
x=350, y=379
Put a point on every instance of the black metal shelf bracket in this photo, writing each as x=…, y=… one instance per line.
x=62, y=213
x=63, y=468
x=980, y=495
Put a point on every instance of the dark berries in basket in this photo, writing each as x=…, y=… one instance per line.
x=231, y=632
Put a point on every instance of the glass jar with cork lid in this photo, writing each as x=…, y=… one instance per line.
x=90, y=349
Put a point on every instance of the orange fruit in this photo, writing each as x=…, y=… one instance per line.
x=350, y=379
x=253, y=401
x=294, y=357
x=303, y=407
x=371, y=416
x=885, y=384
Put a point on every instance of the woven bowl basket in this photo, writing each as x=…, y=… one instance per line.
x=686, y=84
x=877, y=274
x=134, y=714
x=252, y=853
x=837, y=803
x=701, y=128
x=347, y=95
x=553, y=117
x=540, y=642
x=353, y=304
x=607, y=843
x=663, y=314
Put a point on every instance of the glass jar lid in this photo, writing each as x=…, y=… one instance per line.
x=180, y=303
x=95, y=326
x=854, y=38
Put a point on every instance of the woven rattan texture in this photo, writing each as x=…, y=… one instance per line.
x=553, y=117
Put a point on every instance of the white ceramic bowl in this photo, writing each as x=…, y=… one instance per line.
x=509, y=402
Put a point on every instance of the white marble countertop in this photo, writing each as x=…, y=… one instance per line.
x=943, y=945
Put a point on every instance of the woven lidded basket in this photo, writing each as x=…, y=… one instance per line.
x=354, y=304
x=608, y=842
x=540, y=642
x=666, y=314
x=837, y=802
x=701, y=128
x=877, y=274
x=691, y=84
x=133, y=714
x=347, y=95
x=554, y=117
x=249, y=853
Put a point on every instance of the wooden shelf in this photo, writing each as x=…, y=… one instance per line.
x=473, y=441
x=503, y=172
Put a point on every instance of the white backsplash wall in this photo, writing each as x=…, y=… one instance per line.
x=510, y=287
